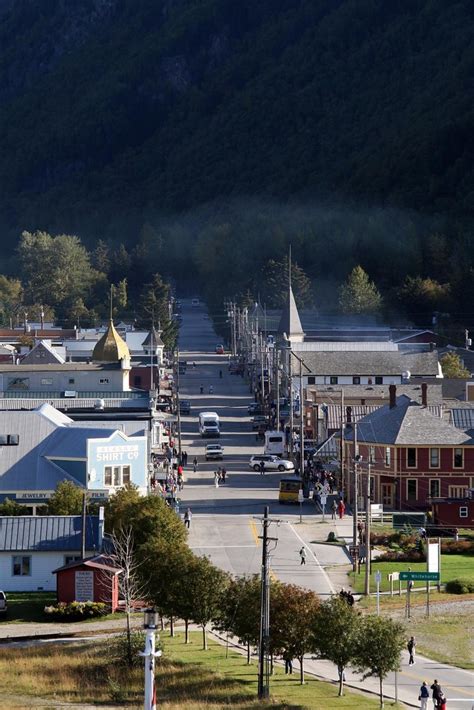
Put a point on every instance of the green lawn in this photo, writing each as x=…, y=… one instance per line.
x=452, y=566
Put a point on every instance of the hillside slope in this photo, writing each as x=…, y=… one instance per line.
x=111, y=107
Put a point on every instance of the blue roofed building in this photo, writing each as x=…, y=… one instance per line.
x=31, y=547
x=42, y=447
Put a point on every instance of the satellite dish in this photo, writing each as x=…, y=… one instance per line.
x=406, y=374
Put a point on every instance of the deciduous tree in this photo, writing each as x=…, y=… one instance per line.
x=67, y=499
x=206, y=585
x=378, y=648
x=452, y=366
x=335, y=628
x=239, y=613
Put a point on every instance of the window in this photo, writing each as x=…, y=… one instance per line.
x=388, y=456
x=457, y=491
x=371, y=454
x=435, y=488
x=356, y=380
x=21, y=565
x=46, y=381
x=434, y=458
x=458, y=458
x=117, y=476
x=311, y=380
x=71, y=380
x=137, y=381
x=104, y=381
x=9, y=439
x=379, y=380
x=411, y=458
x=463, y=513
x=71, y=558
x=412, y=489
x=333, y=380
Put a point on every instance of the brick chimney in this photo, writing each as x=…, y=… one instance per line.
x=393, y=396
x=424, y=394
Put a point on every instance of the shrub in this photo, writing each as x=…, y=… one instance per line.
x=461, y=547
x=118, y=652
x=412, y=555
x=332, y=537
x=460, y=586
x=75, y=611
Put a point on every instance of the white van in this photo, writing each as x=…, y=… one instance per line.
x=275, y=443
x=209, y=424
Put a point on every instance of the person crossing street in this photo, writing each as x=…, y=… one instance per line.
x=303, y=556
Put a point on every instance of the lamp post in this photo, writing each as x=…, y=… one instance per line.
x=150, y=624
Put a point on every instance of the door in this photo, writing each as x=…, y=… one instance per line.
x=388, y=490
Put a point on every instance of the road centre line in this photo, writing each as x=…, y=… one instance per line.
x=253, y=528
x=217, y=547
x=419, y=678
x=314, y=558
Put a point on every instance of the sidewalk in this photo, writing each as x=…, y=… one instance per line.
x=27, y=630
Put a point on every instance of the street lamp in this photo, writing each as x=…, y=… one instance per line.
x=150, y=624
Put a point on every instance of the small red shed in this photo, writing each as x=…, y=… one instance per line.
x=93, y=579
x=458, y=512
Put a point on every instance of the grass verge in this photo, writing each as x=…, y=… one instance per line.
x=187, y=677
x=452, y=566
x=29, y=607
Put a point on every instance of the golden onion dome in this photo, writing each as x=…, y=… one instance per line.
x=111, y=347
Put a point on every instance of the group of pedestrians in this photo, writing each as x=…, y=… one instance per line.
x=438, y=697
x=338, y=508
x=220, y=476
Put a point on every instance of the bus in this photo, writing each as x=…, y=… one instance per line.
x=289, y=490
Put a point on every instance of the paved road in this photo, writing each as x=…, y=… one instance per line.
x=224, y=523
x=225, y=520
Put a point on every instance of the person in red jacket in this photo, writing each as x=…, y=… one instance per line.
x=341, y=508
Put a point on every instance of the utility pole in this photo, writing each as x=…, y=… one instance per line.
x=277, y=385
x=290, y=375
x=178, y=413
x=356, y=487
x=367, y=531
x=342, y=444
x=84, y=521
x=264, y=641
x=262, y=372
x=301, y=421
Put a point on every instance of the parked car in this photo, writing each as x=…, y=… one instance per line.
x=255, y=408
x=3, y=604
x=184, y=406
x=195, y=302
x=219, y=349
x=272, y=463
x=258, y=421
x=214, y=451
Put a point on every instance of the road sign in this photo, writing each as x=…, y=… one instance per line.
x=300, y=496
x=323, y=499
x=354, y=551
x=378, y=576
x=419, y=576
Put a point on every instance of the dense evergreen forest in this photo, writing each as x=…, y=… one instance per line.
x=209, y=134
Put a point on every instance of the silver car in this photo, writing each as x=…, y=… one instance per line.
x=271, y=463
x=214, y=451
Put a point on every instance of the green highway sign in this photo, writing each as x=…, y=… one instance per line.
x=419, y=576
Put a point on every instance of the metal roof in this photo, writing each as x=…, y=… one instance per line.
x=337, y=363
x=46, y=533
x=463, y=418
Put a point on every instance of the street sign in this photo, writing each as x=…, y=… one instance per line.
x=378, y=576
x=354, y=551
x=323, y=499
x=300, y=496
x=419, y=576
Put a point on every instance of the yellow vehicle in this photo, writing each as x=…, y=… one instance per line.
x=289, y=488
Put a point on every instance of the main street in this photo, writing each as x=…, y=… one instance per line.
x=225, y=520
x=225, y=523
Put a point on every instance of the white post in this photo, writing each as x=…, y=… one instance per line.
x=396, y=686
x=150, y=695
x=378, y=579
x=149, y=654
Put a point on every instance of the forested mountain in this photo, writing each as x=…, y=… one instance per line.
x=119, y=113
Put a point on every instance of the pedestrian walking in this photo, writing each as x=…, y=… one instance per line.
x=211, y=389
x=341, y=508
x=201, y=389
x=333, y=510
x=288, y=663
x=262, y=467
x=185, y=458
x=195, y=464
x=411, y=650
x=216, y=479
x=180, y=483
x=220, y=374
x=223, y=475
x=423, y=696
x=187, y=518
x=442, y=702
x=437, y=694
x=303, y=556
